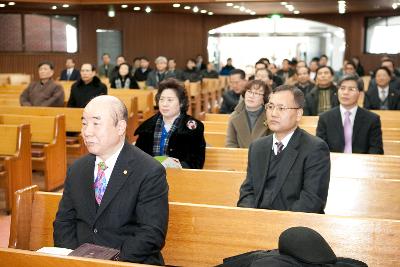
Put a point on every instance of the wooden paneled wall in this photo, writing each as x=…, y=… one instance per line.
x=180, y=36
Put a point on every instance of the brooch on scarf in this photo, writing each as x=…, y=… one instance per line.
x=191, y=124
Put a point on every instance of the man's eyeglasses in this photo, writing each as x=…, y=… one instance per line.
x=254, y=93
x=350, y=89
x=270, y=107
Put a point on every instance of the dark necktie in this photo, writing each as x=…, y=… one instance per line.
x=279, y=147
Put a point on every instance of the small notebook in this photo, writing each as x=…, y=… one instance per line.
x=169, y=162
x=88, y=250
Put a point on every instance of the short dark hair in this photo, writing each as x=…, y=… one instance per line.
x=388, y=60
x=48, y=63
x=350, y=62
x=297, y=93
x=384, y=69
x=261, y=62
x=105, y=54
x=179, y=90
x=191, y=60
x=323, y=55
x=136, y=58
x=145, y=58
x=91, y=65
x=328, y=67
x=120, y=56
x=355, y=78
x=238, y=71
x=73, y=61
x=270, y=75
x=308, y=69
x=258, y=84
x=129, y=67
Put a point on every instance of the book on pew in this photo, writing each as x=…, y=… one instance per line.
x=88, y=250
x=169, y=162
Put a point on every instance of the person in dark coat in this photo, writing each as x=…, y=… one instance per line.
x=124, y=80
x=86, y=88
x=70, y=73
x=323, y=96
x=171, y=132
x=230, y=98
x=349, y=128
x=191, y=74
x=142, y=72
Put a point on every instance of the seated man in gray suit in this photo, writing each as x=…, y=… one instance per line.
x=116, y=196
x=290, y=169
x=159, y=74
x=350, y=128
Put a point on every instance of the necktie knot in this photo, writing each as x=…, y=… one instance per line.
x=102, y=166
x=279, y=147
x=347, y=114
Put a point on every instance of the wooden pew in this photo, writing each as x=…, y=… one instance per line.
x=391, y=147
x=342, y=165
x=194, y=92
x=15, y=158
x=23, y=258
x=202, y=235
x=48, y=145
x=373, y=198
x=73, y=124
x=215, y=139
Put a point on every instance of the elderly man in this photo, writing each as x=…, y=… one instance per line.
x=88, y=87
x=116, y=196
x=159, y=74
x=106, y=68
x=349, y=128
x=45, y=92
x=290, y=169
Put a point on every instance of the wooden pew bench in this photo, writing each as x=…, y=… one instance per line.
x=202, y=235
x=373, y=198
x=48, y=145
x=23, y=258
x=15, y=160
x=342, y=165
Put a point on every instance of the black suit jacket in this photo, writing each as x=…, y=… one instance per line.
x=302, y=185
x=312, y=100
x=372, y=100
x=75, y=75
x=367, y=132
x=133, y=215
x=187, y=145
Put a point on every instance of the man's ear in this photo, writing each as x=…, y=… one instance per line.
x=299, y=114
x=121, y=126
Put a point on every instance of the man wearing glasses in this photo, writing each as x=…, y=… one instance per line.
x=349, y=128
x=290, y=169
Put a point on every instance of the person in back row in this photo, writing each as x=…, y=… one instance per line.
x=349, y=128
x=46, y=92
x=237, y=82
x=124, y=80
x=70, y=73
x=171, y=132
x=159, y=74
x=247, y=123
x=290, y=169
x=86, y=88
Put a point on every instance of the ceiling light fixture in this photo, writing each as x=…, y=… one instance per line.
x=283, y=3
x=236, y=6
x=148, y=9
x=203, y=11
x=342, y=6
x=210, y=13
x=253, y=13
x=186, y=7
x=195, y=9
x=11, y=3
x=229, y=4
x=296, y=12
x=248, y=11
x=54, y=7
x=124, y=6
x=111, y=11
x=394, y=6
x=136, y=8
x=65, y=5
x=176, y=5
x=2, y=5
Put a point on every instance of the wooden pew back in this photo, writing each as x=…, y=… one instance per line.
x=373, y=198
x=42, y=127
x=201, y=235
x=9, y=139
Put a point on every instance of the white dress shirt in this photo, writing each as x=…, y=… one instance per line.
x=383, y=92
x=110, y=163
x=284, y=142
x=352, y=115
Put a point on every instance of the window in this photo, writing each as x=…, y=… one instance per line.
x=38, y=33
x=380, y=33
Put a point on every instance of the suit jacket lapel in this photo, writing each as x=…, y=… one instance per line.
x=390, y=98
x=358, y=122
x=339, y=125
x=289, y=157
x=264, y=162
x=88, y=181
x=118, y=177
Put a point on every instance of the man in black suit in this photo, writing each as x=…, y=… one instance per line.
x=116, y=196
x=290, y=169
x=349, y=128
x=70, y=73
